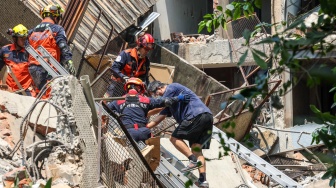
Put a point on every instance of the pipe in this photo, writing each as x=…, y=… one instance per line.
x=307, y=150
x=85, y=81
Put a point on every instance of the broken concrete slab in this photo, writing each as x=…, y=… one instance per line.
x=19, y=106
x=219, y=170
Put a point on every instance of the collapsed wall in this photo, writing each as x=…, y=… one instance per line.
x=186, y=73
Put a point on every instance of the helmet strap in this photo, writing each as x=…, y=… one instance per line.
x=55, y=19
x=139, y=54
x=17, y=46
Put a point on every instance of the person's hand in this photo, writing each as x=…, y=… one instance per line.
x=116, y=113
x=69, y=66
x=183, y=98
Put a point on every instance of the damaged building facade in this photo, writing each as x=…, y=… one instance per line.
x=206, y=63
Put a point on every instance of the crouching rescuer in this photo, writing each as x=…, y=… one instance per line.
x=134, y=109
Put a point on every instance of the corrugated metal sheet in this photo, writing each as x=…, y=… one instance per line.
x=121, y=13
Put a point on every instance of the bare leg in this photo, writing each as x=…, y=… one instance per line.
x=198, y=153
x=181, y=146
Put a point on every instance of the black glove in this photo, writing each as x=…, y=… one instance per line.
x=69, y=66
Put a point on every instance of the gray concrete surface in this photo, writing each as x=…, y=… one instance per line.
x=186, y=73
x=219, y=53
x=19, y=106
x=220, y=172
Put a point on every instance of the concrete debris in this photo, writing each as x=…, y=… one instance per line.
x=267, y=140
x=5, y=148
x=62, y=95
x=257, y=175
x=64, y=168
x=315, y=181
x=52, y=151
x=179, y=37
x=18, y=106
x=17, y=174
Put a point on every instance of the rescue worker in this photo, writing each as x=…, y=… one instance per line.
x=16, y=58
x=195, y=125
x=52, y=37
x=132, y=63
x=133, y=110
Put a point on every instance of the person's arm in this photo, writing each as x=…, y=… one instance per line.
x=154, y=111
x=62, y=43
x=167, y=101
x=66, y=54
x=119, y=64
x=113, y=106
x=2, y=63
x=156, y=121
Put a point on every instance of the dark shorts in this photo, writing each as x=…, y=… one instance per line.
x=197, y=130
x=39, y=75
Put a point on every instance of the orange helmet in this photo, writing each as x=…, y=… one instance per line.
x=132, y=83
x=146, y=41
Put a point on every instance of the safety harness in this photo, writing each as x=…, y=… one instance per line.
x=134, y=68
x=133, y=101
x=44, y=36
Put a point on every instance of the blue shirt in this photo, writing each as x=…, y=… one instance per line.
x=182, y=111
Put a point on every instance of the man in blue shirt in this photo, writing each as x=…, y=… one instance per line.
x=195, y=125
x=134, y=109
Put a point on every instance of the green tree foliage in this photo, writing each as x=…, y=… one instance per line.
x=286, y=47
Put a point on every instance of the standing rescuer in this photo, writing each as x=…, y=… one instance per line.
x=195, y=125
x=16, y=58
x=52, y=37
x=133, y=110
x=133, y=62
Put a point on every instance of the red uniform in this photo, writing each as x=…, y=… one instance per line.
x=18, y=62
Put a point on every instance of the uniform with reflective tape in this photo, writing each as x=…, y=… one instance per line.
x=129, y=64
x=52, y=37
x=18, y=62
x=134, y=110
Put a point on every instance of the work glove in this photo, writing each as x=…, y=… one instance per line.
x=69, y=66
x=169, y=101
x=183, y=98
x=126, y=78
x=116, y=113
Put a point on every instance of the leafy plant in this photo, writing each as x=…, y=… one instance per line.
x=286, y=47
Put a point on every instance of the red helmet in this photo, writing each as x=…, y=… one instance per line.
x=132, y=83
x=146, y=41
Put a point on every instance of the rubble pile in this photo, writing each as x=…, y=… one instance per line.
x=297, y=163
x=50, y=148
x=179, y=37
